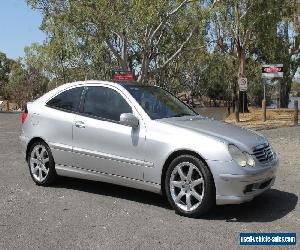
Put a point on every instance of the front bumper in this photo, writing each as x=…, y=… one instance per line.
x=236, y=185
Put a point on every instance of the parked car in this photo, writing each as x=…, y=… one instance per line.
x=144, y=137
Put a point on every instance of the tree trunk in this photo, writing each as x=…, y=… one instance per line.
x=288, y=73
x=284, y=95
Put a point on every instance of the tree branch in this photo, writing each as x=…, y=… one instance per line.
x=116, y=54
x=246, y=11
x=183, y=3
x=179, y=49
x=164, y=20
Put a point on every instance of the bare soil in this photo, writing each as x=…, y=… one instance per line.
x=276, y=118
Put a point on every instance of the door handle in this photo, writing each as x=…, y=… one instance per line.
x=79, y=124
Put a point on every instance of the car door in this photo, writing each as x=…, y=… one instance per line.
x=56, y=121
x=100, y=142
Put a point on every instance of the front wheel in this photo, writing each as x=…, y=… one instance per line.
x=189, y=186
x=41, y=164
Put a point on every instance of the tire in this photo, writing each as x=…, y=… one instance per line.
x=41, y=164
x=191, y=191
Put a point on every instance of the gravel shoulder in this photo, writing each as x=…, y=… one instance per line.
x=78, y=214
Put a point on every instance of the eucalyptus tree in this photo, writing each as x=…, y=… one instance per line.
x=235, y=29
x=15, y=88
x=264, y=31
x=280, y=44
x=288, y=47
x=141, y=36
x=27, y=79
x=5, y=68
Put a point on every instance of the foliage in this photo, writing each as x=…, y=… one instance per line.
x=137, y=35
x=5, y=68
x=198, y=47
x=27, y=80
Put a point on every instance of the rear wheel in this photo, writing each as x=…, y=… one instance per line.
x=41, y=164
x=189, y=186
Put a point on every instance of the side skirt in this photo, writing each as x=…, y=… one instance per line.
x=82, y=173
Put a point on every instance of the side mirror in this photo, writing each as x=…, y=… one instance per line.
x=129, y=119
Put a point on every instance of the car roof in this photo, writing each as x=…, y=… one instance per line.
x=109, y=82
x=86, y=82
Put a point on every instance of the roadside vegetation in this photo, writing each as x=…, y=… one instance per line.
x=198, y=48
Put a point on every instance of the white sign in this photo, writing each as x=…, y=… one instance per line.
x=271, y=82
x=243, y=84
x=271, y=71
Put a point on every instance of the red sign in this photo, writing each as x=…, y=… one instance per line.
x=123, y=75
x=272, y=69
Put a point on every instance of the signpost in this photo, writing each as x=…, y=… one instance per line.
x=268, y=73
x=243, y=86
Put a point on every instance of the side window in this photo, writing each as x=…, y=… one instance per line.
x=68, y=100
x=105, y=103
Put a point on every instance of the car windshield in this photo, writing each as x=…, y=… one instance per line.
x=159, y=103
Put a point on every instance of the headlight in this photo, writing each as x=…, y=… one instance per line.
x=242, y=158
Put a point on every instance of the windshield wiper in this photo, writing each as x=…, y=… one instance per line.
x=182, y=114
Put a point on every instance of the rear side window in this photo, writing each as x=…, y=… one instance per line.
x=68, y=100
x=105, y=103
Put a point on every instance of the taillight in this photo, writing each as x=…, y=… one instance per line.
x=24, y=114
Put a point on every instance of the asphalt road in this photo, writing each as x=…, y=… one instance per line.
x=78, y=214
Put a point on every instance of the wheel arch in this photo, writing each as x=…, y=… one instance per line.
x=31, y=142
x=175, y=154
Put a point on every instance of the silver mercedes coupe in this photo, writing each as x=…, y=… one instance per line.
x=144, y=137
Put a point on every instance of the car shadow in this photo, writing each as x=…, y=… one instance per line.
x=112, y=190
x=269, y=206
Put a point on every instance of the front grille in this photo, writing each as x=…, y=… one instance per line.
x=263, y=153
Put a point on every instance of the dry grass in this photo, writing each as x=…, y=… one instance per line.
x=276, y=118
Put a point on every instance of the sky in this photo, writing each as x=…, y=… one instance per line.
x=19, y=27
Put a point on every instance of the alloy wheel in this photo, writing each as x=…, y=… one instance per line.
x=39, y=163
x=187, y=186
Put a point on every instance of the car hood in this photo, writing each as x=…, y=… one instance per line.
x=244, y=138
